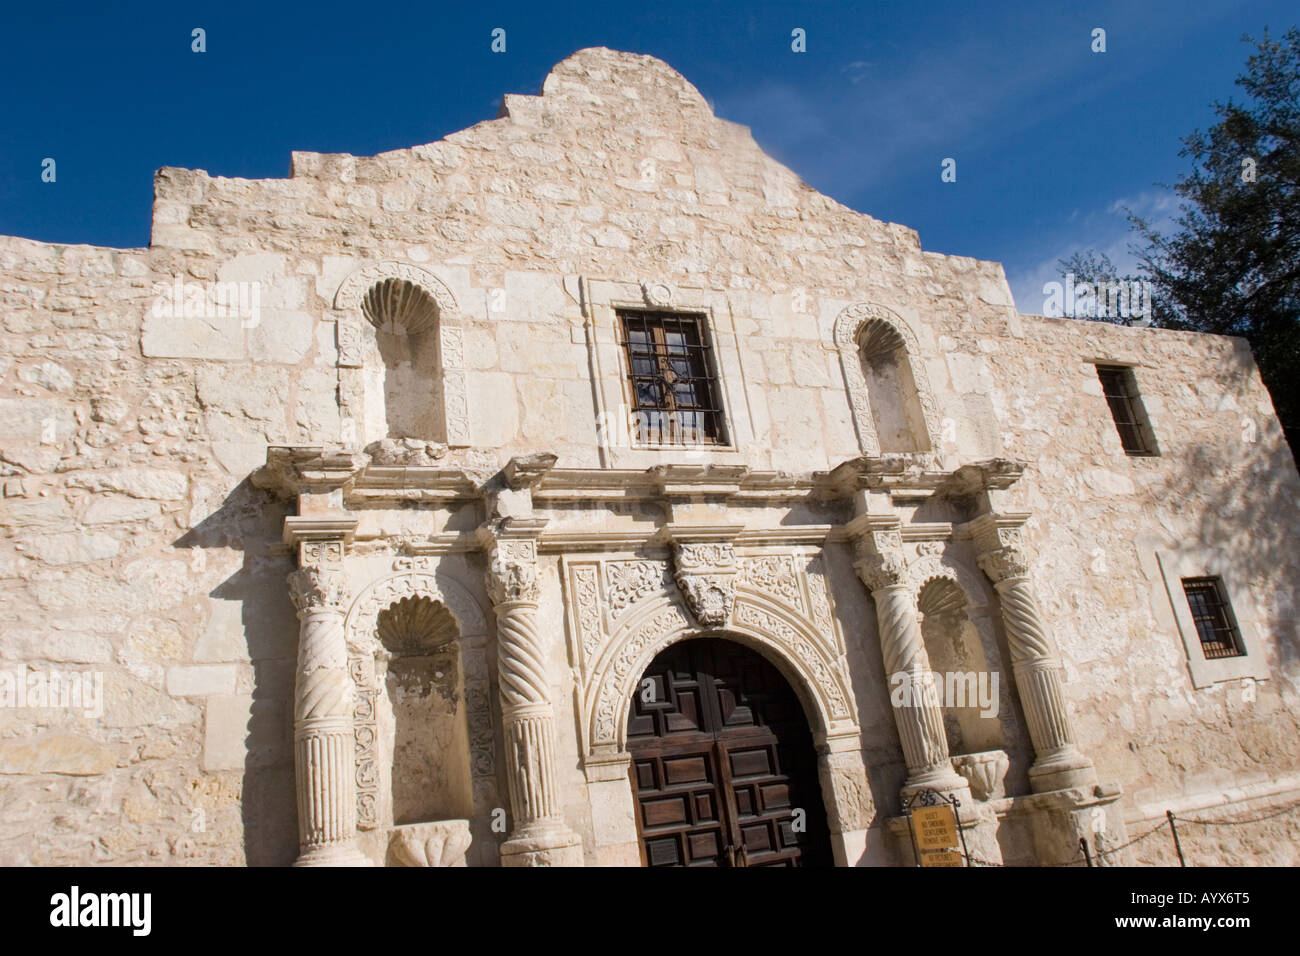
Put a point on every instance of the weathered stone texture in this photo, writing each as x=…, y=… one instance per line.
x=135, y=545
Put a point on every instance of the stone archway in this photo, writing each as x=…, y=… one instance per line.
x=788, y=639
x=792, y=645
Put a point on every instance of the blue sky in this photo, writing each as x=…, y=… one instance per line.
x=1051, y=140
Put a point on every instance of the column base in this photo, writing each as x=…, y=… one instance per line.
x=546, y=845
x=339, y=854
x=1064, y=770
x=941, y=778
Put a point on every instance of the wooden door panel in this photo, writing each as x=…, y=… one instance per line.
x=723, y=762
x=679, y=812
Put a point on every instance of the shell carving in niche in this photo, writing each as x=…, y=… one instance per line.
x=415, y=625
x=399, y=307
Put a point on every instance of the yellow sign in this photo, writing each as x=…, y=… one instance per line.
x=942, y=858
x=935, y=828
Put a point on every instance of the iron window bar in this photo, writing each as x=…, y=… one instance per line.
x=671, y=374
x=1213, y=618
x=1121, y=396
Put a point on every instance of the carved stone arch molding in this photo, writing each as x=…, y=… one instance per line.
x=849, y=327
x=789, y=640
x=451, y=334
x=413, y=578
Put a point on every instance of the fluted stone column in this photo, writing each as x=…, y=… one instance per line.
x=539, y=836
x=324, y=761
x=883, y=569
x=1058, y=762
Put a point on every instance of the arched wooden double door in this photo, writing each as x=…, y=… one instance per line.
x=723, y=767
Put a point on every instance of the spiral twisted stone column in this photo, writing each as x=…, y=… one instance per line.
x=1058, y=762
x=539, y=836
x=883, y=569
x=324, y=760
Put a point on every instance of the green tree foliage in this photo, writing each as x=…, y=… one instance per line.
x=1233, y=266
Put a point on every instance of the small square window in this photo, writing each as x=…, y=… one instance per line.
x=1119, y=385
x=1212, y=616
x=673, y=379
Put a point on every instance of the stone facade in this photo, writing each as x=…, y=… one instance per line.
x=369, y=568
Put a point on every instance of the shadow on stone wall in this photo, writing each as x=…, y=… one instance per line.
x=1254, y=520
x=250, y=521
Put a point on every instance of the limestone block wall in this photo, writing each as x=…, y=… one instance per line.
x=135, y=547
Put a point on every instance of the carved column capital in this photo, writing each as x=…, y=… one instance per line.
x=1004, y=564
x=705, y=571
x=315, y=589
x=512, y=570
x=1000, y=546
x=878, y=555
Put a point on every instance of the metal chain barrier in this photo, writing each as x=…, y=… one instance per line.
x=1236, y=823
x=1155, y=829
x=1168, y=822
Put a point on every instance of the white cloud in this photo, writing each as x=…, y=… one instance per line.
x=1107, y=232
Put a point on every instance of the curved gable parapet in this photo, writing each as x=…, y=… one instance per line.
x=601, y=77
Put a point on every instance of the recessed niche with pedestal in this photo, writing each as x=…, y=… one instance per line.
x=891, y=389
x=421, y=714
x=408, y=374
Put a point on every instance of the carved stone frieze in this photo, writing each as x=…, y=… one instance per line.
x=320, y=554
x=627, y=582
x=347, y=337
x=819, y=599
x=662, y=627
x=776, y=575
x=586, y=602
x=787, y=636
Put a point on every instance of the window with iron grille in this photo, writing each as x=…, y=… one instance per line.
x=1119, y=385
x=673, y=378
x=1213, y=618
